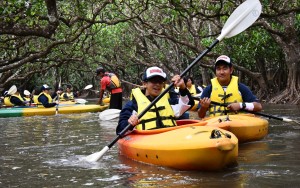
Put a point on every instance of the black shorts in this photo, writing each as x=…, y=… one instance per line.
x=116, y=101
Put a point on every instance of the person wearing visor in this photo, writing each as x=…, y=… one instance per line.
x=225, y=89
x=164, y=112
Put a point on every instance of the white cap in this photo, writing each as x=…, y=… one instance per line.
x=154, y=71
x=26, y=92
x=225, y=59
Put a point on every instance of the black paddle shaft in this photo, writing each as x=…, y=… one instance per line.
x=244, y=110
x=165, y=91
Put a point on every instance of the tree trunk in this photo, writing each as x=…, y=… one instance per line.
x=292, y=92
x=289, y=41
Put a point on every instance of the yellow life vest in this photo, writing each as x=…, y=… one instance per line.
x=35, y=99
x=193, y=90
x=114, y=81
x=70, y=96
x=39, y=104
x=150, y=119
x=19, y=97
x=218, y=94
x=27, y=99
x=61, y=97
x=7, y=101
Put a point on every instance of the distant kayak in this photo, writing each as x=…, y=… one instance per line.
x=40, y=111
x=106, y=100
x=190, y=146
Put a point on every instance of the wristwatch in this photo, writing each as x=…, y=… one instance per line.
x=243, y=105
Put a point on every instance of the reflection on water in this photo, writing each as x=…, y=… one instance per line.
x=48, y=151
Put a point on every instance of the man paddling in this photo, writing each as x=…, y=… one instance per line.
x=45, y=98
x=162, y=114
x=225, y=89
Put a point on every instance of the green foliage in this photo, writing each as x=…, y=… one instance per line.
x=249, y=46
x=127, y=36
x=297, y=23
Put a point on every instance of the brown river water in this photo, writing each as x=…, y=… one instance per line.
x=47, y=151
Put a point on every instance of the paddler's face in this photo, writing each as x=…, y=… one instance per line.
x=154, y=86
x=223, y=73
x=47, y=91
x=189, y=83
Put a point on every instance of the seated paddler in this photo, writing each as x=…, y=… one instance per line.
x=15, y=99
x=226, y=92
x=45, y=99
x=163, y=112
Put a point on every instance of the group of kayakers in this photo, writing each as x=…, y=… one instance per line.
x=45, y=98
x=225, y=95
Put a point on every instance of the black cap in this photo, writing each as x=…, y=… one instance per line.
x=45, y=87
x=100, y=69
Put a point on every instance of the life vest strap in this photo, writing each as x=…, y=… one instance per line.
x=157, y=109
x=223, y=97
x=144, y=121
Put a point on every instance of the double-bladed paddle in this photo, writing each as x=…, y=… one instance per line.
x=243, y=17
x=83, y=101
x=59, y=85
x=12, y=90
x=109, y=114
x=88, y=87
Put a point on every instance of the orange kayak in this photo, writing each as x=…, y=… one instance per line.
x=189, y=146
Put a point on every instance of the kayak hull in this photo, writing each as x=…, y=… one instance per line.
x=246, y=127
x=36, y=111
x=186, y=147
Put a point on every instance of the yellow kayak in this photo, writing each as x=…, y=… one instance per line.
x=246, y=127
x=106, y=100
x=190, y=146
x=40, y=111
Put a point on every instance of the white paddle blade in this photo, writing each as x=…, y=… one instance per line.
x=80, y=101
x=287, y=120
x=290, y=120
x=96, y=156
x=88, y=87
x=242, y=18
x=12, y=90
x=109, y=117
x=109, y=114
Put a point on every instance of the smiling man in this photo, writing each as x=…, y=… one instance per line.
x=225, y=89
x=164, y=112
